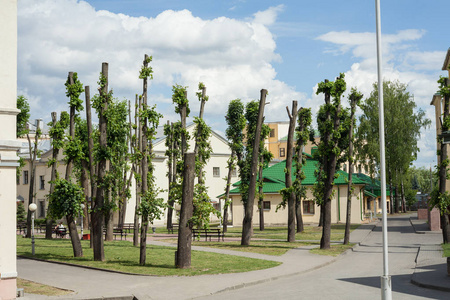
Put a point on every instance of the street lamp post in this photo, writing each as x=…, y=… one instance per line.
x=82, y=208
x=386, y=284
x=32, y=207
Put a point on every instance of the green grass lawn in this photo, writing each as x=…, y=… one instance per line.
x=276, y=248
x=311, y=233
x=335, y=250
x=124, y=257
x=446, y=248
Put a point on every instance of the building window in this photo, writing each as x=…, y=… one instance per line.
x=344, y=168
x=359, y=169
x=282, y=152
x=41, y=209
x=308, y=207
x=234, y=172
x=25, y=177
x=216, y=171
x=272, y=133
x=266, y=205
x=41, y=182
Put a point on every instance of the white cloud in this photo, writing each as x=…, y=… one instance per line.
x=269, y=16
x=232, y=57
x=402, y=61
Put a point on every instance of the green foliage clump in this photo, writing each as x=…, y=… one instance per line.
x=21, y=213
x=23, y=116
x=73, y=91
x=65, y=200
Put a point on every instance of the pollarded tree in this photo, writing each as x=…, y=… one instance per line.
x=203, y=207
x=236, y=123
x=288, y=192
x=73, y=152
x=100, y=104
x=57, y=133
x=330, y=126
x=151, y=205
x=355, y=98
x=255, y=117
x=302, y=131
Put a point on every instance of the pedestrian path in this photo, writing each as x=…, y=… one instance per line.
x=431, y=267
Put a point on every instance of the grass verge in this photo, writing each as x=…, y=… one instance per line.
x=446, y=248
x=335, y=250
x=32, y=287
x=310, y=233
x=276, y=248
x=122, y=256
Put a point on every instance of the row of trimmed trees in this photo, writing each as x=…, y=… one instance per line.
x=107, y=181
x=341, y=141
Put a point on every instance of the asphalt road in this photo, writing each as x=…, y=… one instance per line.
x=355, y=275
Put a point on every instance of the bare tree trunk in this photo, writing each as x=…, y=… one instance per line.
x=85, y=184
x=298, y=214
x=288, y=172
x=73, y=232
x=261, y=195
x=183, y=254
x=49, y=222
x=227, y=192
x=144, y=171
x=170, y=163
x=97, y=216
x=138, y=171
x=91, y=159
x=330, y=170
x=403, y=197
x=248, y=209
x=199, y=132
x=348, y=219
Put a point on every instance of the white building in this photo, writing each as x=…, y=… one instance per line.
x=216, y=170
x=8, y=148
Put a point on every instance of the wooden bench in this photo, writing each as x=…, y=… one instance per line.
x=208, y=233
x=22, y=226
x=60, y=232
x=117, y=231
x=174, y=226
x=129, y=227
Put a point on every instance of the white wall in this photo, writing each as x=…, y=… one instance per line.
x=216, y=185
x=8, y=148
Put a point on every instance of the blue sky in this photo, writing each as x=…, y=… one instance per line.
x=236, y=47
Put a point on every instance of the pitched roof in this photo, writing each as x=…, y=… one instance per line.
x=274, y=177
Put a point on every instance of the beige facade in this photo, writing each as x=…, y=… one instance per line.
x=438, y=102
x=8, y=148
x=310, y=211
x=41, y=182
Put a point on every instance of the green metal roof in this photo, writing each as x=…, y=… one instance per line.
x=369, y=194
x=274, y=177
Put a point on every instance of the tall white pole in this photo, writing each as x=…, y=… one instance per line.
x=386, y=288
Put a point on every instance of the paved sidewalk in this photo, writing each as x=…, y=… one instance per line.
x=431, y=267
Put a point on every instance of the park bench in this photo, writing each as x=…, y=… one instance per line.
x=129, y=227
x=117, y=231
x=21, y=226
x=174, y=226
x=60, y=232
x=208, y=233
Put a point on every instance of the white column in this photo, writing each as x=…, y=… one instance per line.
x=8, y=148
